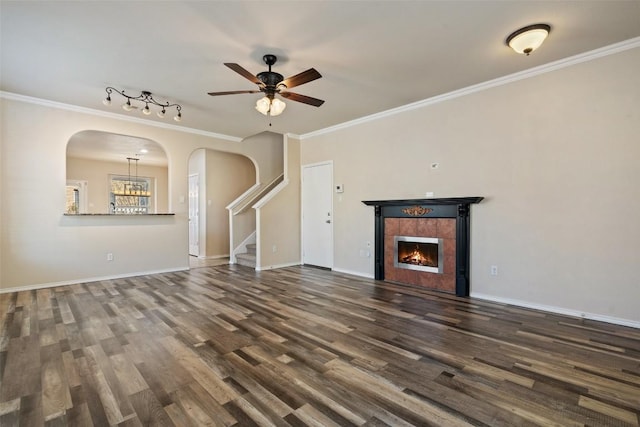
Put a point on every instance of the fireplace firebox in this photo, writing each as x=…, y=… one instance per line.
x=418, y=253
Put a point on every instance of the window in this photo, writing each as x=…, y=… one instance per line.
x=130, y=195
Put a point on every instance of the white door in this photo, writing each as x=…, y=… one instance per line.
x=194, y=244
x=317, y=215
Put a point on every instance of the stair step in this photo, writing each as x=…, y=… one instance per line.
x=248, y=260
x=251, y=248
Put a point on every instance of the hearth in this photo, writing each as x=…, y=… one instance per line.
x=418, y=253
x=436, y=254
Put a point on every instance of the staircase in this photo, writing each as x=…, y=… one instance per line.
x=248, y=259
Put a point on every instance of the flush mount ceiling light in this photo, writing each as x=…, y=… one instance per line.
x=146, y=98
x=527, y=39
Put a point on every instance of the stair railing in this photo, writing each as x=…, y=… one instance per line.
x=242, y=219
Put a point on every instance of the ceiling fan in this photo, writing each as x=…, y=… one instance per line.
x=272, y=83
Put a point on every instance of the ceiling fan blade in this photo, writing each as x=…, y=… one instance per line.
x=244, y=73
x=302, y=98
x=233, y=92
x=302, y=78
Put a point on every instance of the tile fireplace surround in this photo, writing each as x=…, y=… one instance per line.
x=446, y=219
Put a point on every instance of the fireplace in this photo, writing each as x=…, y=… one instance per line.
x=424, y=242
x=418, y=253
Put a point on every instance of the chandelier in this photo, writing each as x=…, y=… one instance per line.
x=145, y=98
x=134, y=187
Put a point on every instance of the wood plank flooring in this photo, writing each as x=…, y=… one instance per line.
x=301, y=346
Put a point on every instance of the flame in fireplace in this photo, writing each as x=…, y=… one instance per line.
x=418, y=253
x=416, y=257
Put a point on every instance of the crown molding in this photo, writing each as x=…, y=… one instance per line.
x=99, y=113
x=500, y=81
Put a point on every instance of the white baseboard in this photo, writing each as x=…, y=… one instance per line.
x=88, y=280
x=273, y=267
x=213, y=256
x=354, y=273
x=558, y=310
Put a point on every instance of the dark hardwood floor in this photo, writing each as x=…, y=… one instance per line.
x=302, y=346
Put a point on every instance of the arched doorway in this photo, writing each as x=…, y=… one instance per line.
x=216, y=178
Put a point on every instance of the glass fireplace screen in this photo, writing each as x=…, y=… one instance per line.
x=418, y=253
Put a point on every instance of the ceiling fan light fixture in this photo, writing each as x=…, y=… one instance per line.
x=529, y=38
x=277, y=107
x=107, y=100
x=272, y=107
x=271, y=83
x=178, y=117
x=127, y=106
x=161, y=113
x=263, y=105
x=146, y=111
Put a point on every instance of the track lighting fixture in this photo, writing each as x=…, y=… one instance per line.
x=146, y=98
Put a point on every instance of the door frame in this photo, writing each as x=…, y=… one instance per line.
x=195, y=196
x=302, y=168
x=83, y=190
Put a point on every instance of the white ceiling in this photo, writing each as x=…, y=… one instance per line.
x=104, y=146
x=373, y=55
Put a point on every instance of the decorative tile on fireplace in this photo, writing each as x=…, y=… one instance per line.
x=440, y=230
x=427, y=227
x=447, y=228
x=392, y=226
x=408, y=227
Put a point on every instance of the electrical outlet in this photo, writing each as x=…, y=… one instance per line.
x=274, y=248
x=494, y=270
x=109, y=256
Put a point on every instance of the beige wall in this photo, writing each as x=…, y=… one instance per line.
x=227, y=177
x=242, y=217
x=279, y=219
x=557, y=158
x=268, y=147
x=96, y=173
x=39, y=246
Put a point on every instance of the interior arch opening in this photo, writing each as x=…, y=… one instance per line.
x=216, y=178
x=109, y=173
